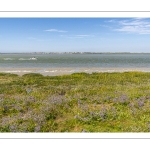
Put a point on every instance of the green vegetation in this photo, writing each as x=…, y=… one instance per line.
x=98, y=102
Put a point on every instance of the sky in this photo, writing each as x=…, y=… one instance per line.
x=74, y=35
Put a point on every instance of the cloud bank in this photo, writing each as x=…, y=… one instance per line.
x=55, y=30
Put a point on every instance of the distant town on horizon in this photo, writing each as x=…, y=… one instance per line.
x=78, y=53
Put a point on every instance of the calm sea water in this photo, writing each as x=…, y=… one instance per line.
x=75, y=60
x=46, y=61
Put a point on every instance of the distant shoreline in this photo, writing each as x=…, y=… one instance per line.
x=38, y=53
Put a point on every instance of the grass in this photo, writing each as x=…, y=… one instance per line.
x=81, y=102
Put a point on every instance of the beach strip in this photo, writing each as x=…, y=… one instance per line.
x=63, y=71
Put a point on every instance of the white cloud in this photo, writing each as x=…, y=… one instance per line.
x=137, y=25
x=37, y=39
x=111, y=20
x=55, y=30
x=105, y=26
x=83, y=35
x=77, y=36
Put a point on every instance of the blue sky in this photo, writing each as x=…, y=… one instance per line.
x=74, y=35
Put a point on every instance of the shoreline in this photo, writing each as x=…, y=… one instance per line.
x=67, y=71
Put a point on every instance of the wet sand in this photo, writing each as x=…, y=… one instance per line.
x=63, y=71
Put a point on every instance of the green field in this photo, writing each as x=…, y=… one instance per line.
x=98, y=102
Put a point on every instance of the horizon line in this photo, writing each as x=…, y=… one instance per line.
x=67, y=52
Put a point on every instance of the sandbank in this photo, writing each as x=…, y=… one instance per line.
x=63, y=71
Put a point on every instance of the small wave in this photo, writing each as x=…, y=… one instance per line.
x=59, y=71
x=26, y=71
x=23, y=59
x=33, y=58
x=51, y=71
x=8, y=59
x=16, y=71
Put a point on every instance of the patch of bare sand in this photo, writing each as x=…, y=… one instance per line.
x=65, y=71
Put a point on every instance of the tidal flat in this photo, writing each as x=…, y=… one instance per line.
x=79, y=102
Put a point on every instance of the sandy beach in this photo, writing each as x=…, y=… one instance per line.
x=63, y=71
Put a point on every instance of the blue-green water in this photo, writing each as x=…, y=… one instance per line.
x=76, y=61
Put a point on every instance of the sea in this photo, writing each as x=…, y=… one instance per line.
x=67, y=63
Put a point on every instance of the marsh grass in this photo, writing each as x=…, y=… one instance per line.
x=81, y=102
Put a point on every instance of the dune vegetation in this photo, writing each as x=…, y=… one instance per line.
x=80, y=102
